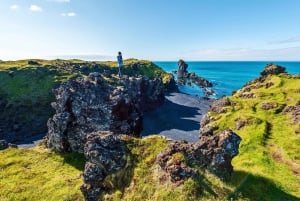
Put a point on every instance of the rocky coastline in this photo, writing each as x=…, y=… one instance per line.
x=92, y=117
x=96, y=117
x=103, y=118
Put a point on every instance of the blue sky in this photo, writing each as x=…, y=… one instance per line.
x=150, y=29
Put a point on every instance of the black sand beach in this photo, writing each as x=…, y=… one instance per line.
x=178, y=118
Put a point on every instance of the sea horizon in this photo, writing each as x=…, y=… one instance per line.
x=226, y=76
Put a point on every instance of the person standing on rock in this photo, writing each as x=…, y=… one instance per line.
x=120, y=63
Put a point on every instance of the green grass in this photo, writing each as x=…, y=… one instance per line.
x=25, y=82
x=150, y=183
x=39, y=174
x=268, y=165
x=22, y=81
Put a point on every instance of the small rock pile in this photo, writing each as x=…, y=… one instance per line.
x=294, y=112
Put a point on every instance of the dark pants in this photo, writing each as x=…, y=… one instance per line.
x=120, y=71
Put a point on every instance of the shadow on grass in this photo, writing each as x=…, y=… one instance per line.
x=254, y=187
x=206, y=185
x=267, y=133
x=74, y=159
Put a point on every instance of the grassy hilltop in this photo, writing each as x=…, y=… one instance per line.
x=26, y=88
x=33, y=80
x=267, y=167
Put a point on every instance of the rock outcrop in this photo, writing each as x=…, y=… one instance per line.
x=269, y=105
x=219, y=105
x=87, y=105
x=213, y=152
x=294, y=112
x=272, y=69
x=106, y=164
x=200, y=81
x=189, y=78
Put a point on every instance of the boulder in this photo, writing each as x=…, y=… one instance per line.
x=105, y=154
x=294, y=112
x=218, y=151
x=240, y=123
x=172, y=161
x=200, y=81
x=219, y=105
x=269, y=105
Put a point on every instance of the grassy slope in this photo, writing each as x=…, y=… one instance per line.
x=39, y=174
x=268, y=165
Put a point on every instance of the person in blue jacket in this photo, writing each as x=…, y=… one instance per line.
x=120, y=63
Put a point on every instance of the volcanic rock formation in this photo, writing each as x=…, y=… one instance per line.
x=87, y=105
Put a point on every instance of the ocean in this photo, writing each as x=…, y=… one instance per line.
x=226, y=76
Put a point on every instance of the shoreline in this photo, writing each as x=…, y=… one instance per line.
x=178, y=118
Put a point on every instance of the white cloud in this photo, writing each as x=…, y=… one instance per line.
x=14, y=7
x=71, y=14
x=35, y=8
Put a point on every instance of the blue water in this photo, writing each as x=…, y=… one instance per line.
x=225, y=76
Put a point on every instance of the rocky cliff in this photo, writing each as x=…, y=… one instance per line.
x=87, y=105
x=264, y=113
